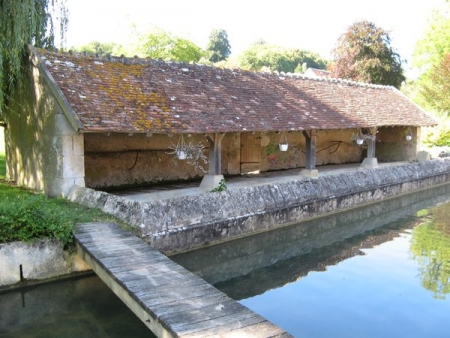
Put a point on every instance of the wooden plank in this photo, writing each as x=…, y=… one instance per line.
x=170, y=300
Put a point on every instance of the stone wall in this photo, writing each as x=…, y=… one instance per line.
x=392, y=145
x=191, y=221
x=43, y=150
x=39, y=260
x=116, y=160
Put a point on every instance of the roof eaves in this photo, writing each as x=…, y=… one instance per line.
x=417, y=106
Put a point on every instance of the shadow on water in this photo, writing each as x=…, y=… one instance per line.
x=250, y=266
x=81, y=307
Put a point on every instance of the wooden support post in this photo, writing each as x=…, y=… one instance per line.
x=371, y=161
x=310, y=169
x=212, y=179
x=215, y=153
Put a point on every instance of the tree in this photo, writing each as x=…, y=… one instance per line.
x=431, y=55
x=435, y=42
x=261, y=56
x=160, y=44
x=218, y=48
x=364, y=53
x=21, y=23
x=431, y=89
x=99, y=48
x=436, y=91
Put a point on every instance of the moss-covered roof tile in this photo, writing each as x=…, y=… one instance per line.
x=140, y=95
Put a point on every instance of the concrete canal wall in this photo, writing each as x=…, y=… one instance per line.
x=184, y=223
x=42, y=259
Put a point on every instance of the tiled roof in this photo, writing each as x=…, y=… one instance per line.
x=140, y=95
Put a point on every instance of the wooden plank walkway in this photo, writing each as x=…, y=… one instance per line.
x=169, y=299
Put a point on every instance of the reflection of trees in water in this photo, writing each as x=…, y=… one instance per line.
x=431, y=248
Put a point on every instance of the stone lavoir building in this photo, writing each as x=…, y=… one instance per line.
x=114, y=122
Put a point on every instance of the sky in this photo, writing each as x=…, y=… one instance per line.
x=313, y=25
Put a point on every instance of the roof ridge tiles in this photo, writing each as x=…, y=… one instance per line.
x=174, y=97
x=143, y=61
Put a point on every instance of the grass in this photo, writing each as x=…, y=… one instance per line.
x=26, y=215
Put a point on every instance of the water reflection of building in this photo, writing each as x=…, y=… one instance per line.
x=270, y=260
x=291, y=270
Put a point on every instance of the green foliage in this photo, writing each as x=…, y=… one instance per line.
x=271, y=148
x=262, y=56
x=160, y=44
x=435, y=43
x=431, y=248
x=432, y=56
x=438, y=136
x=99, y=48
x=25, y=216
x=222, y=186
x=435, y=88
x=364, y=53
x=25, y=22
x=219, y=47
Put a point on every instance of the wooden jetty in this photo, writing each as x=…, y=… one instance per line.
x=169, y=299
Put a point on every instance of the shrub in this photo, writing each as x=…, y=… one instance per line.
x=25, y=216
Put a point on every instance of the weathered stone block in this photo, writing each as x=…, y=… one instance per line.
x=63, y=127
x=72, y=167
x=72, y=145
x=423, y=156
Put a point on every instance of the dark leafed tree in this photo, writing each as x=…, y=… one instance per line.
x=25, y=22
x=364, y=53
x=218, y=48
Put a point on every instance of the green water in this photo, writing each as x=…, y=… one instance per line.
x=378, y=271
x=78, y=308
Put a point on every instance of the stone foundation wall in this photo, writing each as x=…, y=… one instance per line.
x=44, y=151
x=40, y=260
x=191, y=221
